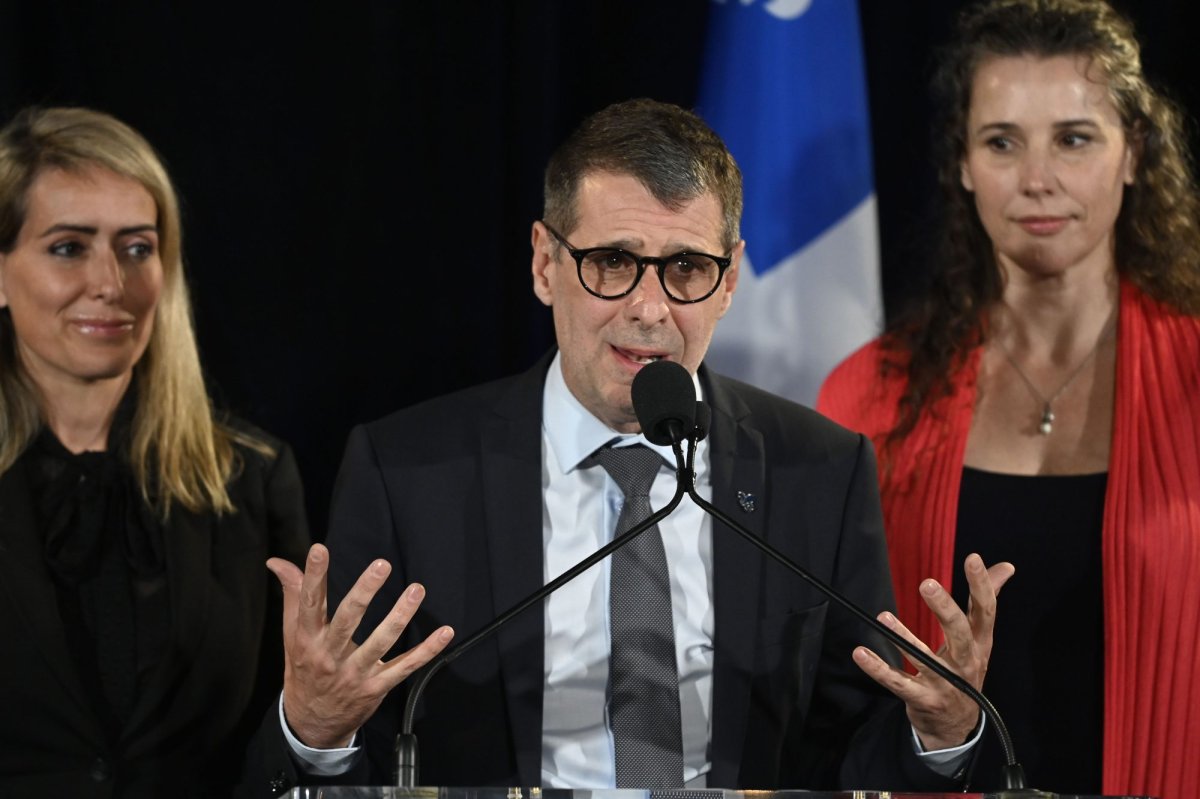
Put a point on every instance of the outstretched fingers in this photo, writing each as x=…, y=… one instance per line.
x=350, y=611
x=960, y=638
x=290, y=578
x=898, y=681
x=400, y=667
x=310, y=601
x=385, y=635
x=984, y=585
x=940, y=714
x=332, y=686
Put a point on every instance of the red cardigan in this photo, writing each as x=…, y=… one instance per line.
x=1150, y=542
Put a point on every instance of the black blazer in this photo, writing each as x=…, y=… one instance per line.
x=188, y=732
x=450, y=491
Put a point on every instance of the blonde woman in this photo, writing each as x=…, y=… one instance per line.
x=140, y=630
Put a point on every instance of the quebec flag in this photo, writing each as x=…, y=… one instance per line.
x=784, y=86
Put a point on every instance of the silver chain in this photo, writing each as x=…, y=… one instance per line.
x=1046, y=426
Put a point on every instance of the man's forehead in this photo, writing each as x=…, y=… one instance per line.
x=620, y=207
x=611, y=180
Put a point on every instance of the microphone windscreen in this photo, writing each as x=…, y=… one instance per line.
x=663, y=392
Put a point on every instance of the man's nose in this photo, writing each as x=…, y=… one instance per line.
x=648, y=303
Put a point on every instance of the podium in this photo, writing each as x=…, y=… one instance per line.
x=385, y=792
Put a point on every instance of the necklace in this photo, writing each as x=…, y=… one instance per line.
x=1047, y=424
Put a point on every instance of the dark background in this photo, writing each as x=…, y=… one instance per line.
x=358, y=183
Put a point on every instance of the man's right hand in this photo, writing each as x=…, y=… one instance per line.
x=331, y=686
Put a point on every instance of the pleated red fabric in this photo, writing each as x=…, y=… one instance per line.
x=1150, y=541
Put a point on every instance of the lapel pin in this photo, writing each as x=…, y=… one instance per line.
x=746, y=500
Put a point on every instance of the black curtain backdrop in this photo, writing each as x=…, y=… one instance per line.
x=358, y=182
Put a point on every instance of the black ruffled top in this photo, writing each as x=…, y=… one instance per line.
x=103, y=546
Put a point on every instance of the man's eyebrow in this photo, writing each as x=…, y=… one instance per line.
x=633, y=245
x=637, y=246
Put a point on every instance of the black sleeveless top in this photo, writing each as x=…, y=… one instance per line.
x=1046, y=675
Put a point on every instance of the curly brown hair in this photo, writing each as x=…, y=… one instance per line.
x=1157, y=233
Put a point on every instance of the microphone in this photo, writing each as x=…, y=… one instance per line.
x=666, y=397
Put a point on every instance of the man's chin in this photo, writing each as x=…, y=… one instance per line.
x=620, y=415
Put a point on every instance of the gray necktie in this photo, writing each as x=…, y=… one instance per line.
x=643, y=680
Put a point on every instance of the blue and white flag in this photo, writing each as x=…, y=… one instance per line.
x=784, y=86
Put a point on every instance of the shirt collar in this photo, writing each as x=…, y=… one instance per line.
x=574, y=433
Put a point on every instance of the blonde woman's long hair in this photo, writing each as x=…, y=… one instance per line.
x=178, y=451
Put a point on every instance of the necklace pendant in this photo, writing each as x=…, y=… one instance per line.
x=1047, y=424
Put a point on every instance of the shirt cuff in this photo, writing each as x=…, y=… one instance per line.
x=319, y=762
x=949, y=762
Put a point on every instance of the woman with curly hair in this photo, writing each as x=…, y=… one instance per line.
x=141, y=634
x=1041, y=405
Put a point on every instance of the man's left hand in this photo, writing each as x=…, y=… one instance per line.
x=942, y=715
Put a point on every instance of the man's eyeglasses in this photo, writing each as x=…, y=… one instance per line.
x=611, y=273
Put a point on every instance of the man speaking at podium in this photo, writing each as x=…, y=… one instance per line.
x=686, y=658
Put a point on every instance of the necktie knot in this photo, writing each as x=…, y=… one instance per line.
x=633, y=468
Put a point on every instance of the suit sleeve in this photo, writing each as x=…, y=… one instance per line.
x=362, y=528
x=880, y=752
x=268, y=769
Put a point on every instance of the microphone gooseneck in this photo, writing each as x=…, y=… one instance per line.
x=1013, y=773
x=703, y=422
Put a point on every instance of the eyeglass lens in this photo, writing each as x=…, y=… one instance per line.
x=611, y=273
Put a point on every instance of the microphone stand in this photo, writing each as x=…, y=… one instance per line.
x=406, y=742
x=1014, y=774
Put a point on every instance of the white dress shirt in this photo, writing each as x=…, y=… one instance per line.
x=580, y=516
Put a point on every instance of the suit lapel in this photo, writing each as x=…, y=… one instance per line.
x=512, y=489
x=31, y=595
x=737, y=464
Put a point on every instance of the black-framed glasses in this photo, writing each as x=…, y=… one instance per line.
x=611, y=273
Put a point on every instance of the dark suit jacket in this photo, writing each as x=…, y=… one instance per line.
x=450, y=491
x=223, y=665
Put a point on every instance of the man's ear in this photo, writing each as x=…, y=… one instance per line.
x=544, y=265
x=729, y=282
